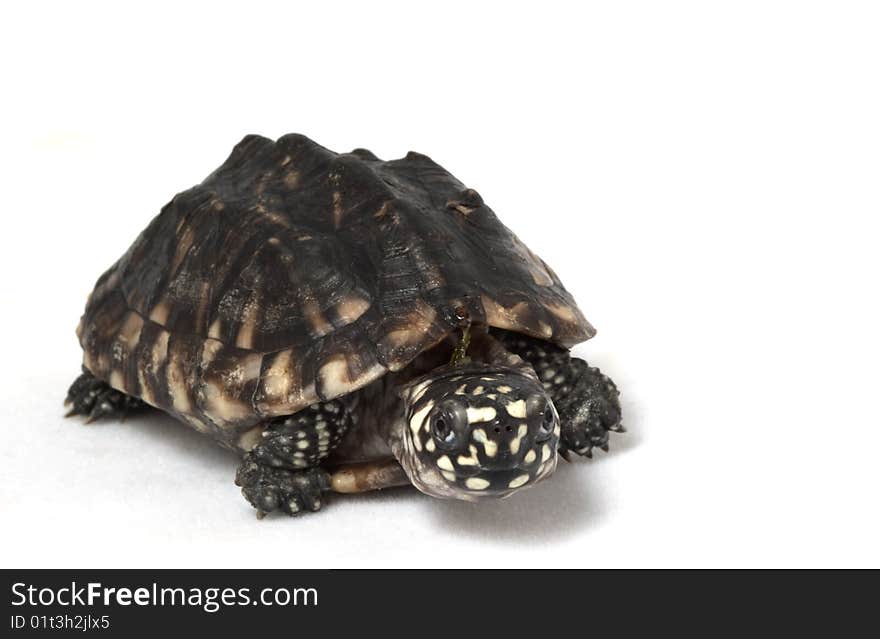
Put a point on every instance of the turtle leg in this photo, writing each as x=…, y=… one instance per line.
x=368, y=476
x=283, y=472
x=95, y=399
x=586, y=400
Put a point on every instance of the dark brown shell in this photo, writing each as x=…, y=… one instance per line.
x=294, y=274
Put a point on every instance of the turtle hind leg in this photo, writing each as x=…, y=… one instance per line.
x=283, y=473
x=94, y=398
x=586, y=400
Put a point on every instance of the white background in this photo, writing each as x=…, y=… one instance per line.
x=702, y=176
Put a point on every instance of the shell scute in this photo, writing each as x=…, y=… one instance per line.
x=294, y=274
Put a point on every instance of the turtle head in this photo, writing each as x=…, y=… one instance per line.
x=477, y=431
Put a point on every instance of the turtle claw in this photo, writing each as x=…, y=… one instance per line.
x=590, y=412
x=93, y=398
x=585, y=451
x=586, y=400
x=269, y=489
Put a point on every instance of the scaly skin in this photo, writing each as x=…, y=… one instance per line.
x=268, y=488
x=587, y=400
x=283, y=471
x=95, y=399
x=485, y=427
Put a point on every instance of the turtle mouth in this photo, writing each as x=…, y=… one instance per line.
x=501, y=483
x=480, y=483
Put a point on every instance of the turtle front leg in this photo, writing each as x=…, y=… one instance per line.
x=589, y=408
x=268, y=488
x=368, y=476
x=283, y=471
x=586, y=400
x=95, y=399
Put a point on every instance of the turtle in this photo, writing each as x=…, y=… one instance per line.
x=345, y=324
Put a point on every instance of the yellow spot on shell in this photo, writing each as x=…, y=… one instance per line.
x=245, y=336
x=160, y=312
x=117, y=381
x=352, y=308
x=214, y=329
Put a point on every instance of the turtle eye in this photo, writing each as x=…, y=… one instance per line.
x=443, y=425
x=442, y=428
x=548, y=420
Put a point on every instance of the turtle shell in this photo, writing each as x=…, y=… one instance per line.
x=293, y=274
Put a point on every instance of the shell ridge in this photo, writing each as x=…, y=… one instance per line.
x=329, y=268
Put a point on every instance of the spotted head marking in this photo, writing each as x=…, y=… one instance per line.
x=478, y=431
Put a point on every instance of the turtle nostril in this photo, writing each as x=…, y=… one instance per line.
x=497, y=430
x=509, y=428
